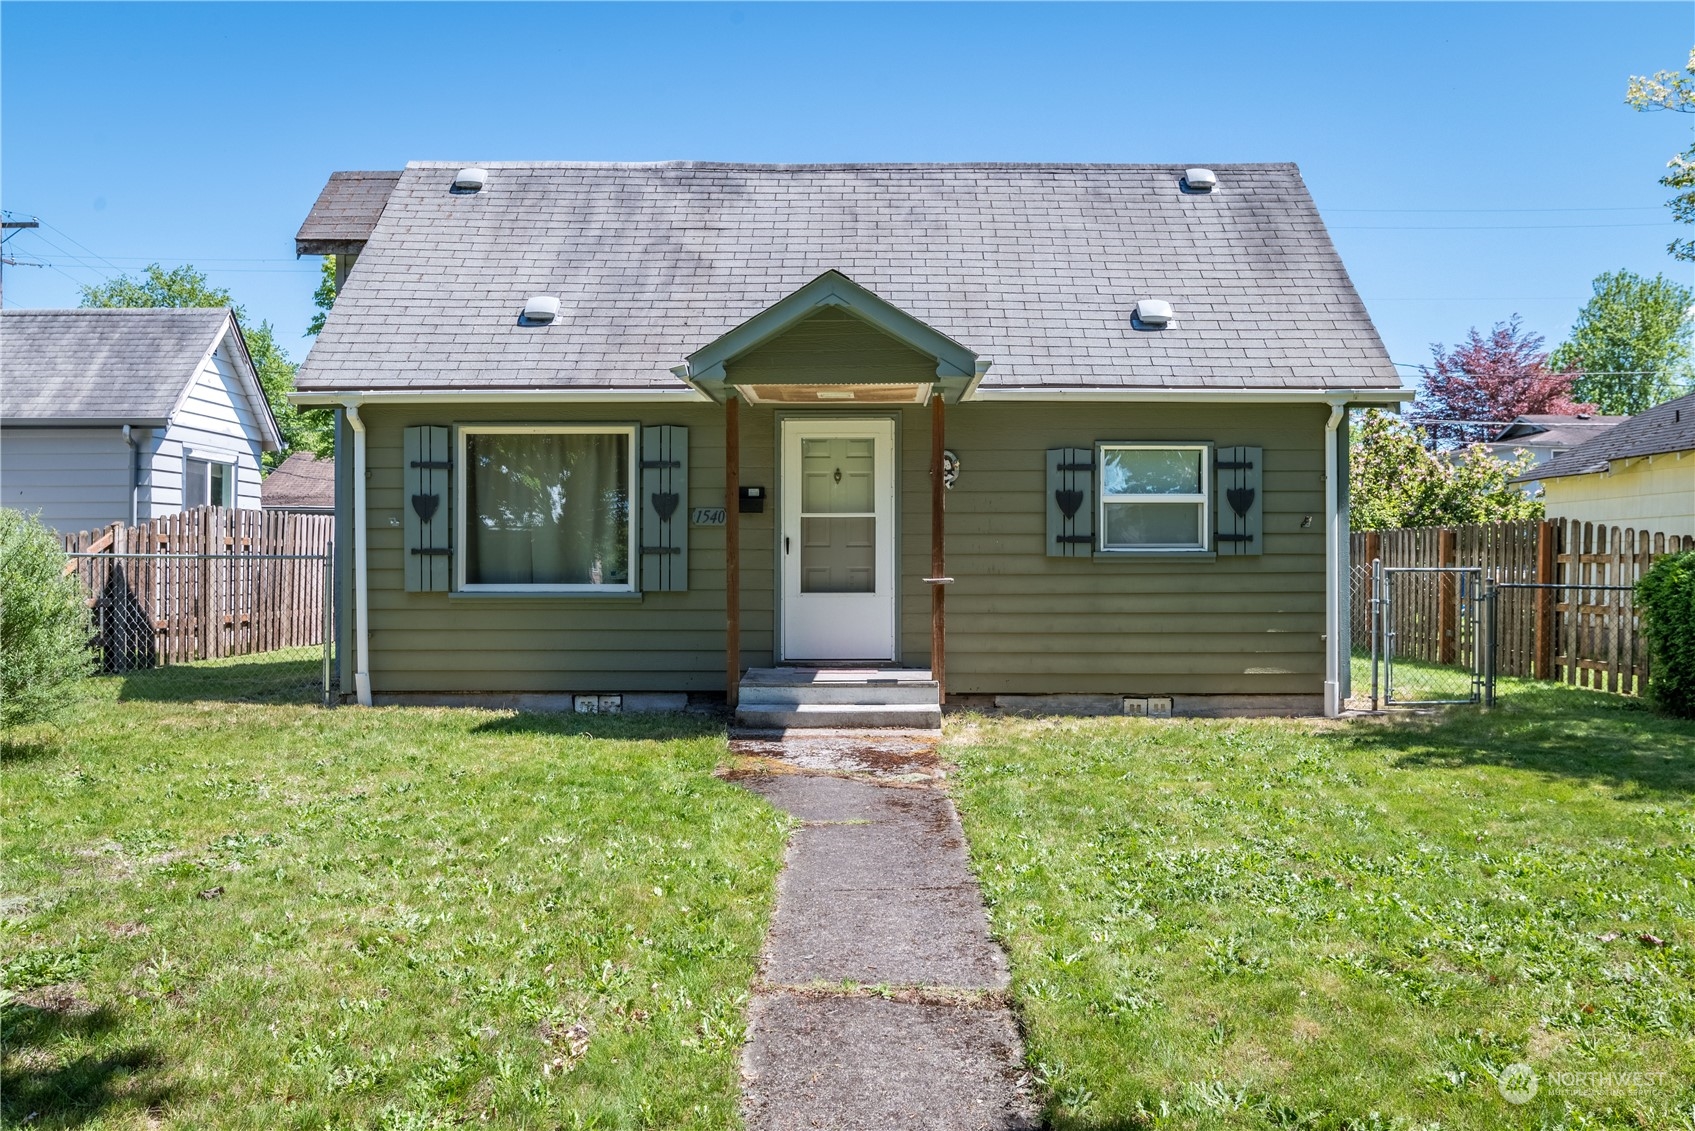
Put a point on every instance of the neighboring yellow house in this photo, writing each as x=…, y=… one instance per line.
x=1640, y=474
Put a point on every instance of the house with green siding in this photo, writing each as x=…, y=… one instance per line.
x=813, y=440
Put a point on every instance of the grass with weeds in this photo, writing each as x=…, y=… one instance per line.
x=237, y=913
x=1281, y=923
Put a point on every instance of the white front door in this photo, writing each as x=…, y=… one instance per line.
x=838, y=539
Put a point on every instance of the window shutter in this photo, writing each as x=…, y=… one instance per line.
x=665, y=508
x=427, y=476
x=1071, y=502
x=1238, y=501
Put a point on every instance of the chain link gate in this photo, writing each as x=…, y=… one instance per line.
x=247, y=627
x=1428, y=641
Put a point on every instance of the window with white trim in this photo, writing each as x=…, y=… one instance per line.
x=546, y=507
x=1154, y=497
x=208, y=482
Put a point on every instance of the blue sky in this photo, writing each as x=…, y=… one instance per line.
x=1472, y=160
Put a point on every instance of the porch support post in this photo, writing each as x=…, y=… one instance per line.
x=732, y=548
x=938, y=562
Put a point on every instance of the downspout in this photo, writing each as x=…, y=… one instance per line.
x=1332, y=566
x=134, y=476
x=361, y=610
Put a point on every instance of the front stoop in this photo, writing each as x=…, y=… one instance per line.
x=861, y=698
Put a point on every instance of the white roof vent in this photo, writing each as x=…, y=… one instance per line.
x=469, y=180
x=1153, y=313
x=541, y=309
x=1200, y=180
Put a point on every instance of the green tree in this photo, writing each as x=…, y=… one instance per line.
x=44, y=629
x=309, y=430
x=324, y=297
x=1631, y=343
x=1668, y=90
x=1395, y=480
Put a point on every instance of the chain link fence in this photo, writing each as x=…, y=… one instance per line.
x=256, y=628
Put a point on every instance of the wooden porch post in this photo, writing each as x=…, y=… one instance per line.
x=732, y=549
x=938, y=561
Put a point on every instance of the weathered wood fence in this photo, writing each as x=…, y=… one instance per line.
x=205, y=583
x=1576, y=621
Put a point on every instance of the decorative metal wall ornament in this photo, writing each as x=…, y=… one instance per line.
x=1068, y=501
x=665, y=504
x=950, y=469
x=1241, y=499
x=425, y=506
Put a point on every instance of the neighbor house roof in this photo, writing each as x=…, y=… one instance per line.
x=1669, y=427
x=1035, y=268
x=1552, y=430
x=345, y=212
x=113, y=366
x=300, y=482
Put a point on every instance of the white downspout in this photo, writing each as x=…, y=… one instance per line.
x=361, y=606
x=1332, y=566
x=134, y=475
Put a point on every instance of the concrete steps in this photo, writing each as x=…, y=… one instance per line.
x=860, y=698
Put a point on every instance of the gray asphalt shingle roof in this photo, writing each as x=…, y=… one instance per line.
x=1035, y=267
x=302, y=481
x=102, y=364
x=1669, y=427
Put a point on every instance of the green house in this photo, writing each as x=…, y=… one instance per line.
x=643, y=434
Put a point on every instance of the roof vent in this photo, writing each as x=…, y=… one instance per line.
x=469, y=179
x=1152, y=313
x=1200, y=180
x=541, y=310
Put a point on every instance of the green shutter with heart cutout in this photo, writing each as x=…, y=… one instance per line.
x=665, y=508
x=427, y=502
x=1071, y=502
x=1238, y=501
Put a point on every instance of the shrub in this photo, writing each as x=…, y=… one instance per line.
x=1666, y=599
x=44, y=640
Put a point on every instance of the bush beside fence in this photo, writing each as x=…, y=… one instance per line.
x=1567, y=612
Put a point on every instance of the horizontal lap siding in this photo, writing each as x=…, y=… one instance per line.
x=660, y=641
x=77, y=478
x=1019, y=621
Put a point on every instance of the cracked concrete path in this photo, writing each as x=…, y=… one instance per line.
x=876, y=892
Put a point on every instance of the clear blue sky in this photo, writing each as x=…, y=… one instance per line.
x=1472, y=160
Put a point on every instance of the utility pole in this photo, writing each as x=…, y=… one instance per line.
x=12, y=227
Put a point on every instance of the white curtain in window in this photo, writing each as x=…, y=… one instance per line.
x=547, y=508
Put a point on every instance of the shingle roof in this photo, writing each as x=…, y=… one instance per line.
x=345, y=212
x=1035, y=267
x=300, y=482
x=121, y=365
x=1549, y=430
x=1669, y=427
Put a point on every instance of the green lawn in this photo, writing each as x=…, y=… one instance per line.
x=1346, y=925
x=258, y=914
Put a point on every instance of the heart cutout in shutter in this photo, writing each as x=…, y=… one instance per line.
x=426, y=506
x=665, y=503
x=1068, y=501
x=1241, y=499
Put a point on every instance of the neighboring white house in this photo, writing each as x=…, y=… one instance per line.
x=1544, y=436
x=123, y=415
x=1638, y=474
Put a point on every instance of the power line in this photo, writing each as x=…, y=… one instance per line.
x=1486, y=227
x=1619, y=208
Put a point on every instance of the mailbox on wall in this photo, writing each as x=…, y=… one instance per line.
x=752, y=500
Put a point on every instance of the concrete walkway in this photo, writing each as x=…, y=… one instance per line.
x=881, y=1002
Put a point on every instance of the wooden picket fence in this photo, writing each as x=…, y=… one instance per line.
x=206, y=583
x=1580, y=627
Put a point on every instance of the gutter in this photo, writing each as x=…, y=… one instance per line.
x=1332, y=564
x=1247, y=396
x=361, y=539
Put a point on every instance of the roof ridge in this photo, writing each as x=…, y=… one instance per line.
x=1150, y=166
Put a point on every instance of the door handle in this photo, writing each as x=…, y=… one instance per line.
x=785, y=543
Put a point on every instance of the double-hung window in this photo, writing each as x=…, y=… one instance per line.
x=547, y=507
x=1154, y=497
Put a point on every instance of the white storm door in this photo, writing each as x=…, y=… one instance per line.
x=838, y=539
